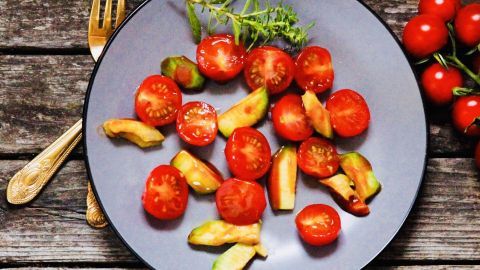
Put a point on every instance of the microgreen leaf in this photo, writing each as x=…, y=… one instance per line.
x=194, y=23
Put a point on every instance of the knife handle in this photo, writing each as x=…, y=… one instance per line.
x=27, y=183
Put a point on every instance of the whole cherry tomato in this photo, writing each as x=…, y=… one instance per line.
x=445, y=9
x=424, y=35
x=438, y=83
x=465, y=111
x=467, y=25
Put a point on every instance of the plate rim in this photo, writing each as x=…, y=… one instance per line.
x=142, y=5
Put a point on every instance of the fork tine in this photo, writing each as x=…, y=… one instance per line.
x=107, y=17
x=94, y=15
x=120, y=12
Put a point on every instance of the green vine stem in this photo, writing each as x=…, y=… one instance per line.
x=454, y=61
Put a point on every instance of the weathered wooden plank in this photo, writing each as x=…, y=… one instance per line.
x=444, y=225
x=426, y=267
x=41, y=96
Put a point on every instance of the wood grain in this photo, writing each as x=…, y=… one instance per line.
x=42, y=95
x=444, y=225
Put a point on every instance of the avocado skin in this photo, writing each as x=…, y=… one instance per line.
x=359, y=169
x=172, y=65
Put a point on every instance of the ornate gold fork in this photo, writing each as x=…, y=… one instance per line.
x=27, y=183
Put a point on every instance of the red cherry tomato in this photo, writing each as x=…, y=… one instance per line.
x=219, y=58
x=467, y=25
x=248, y=154
x=349, y=113
x=158, y=100
x=240, y=202
x=318, y=224
x=445, y=9
x=271, y=67
x=197, y=123
x=314, y=69
x=438, y=83
x=289, y=118
x=465, y=111
x=318, y=157
x=424, y=35
x=477, y=155
x=166, y=193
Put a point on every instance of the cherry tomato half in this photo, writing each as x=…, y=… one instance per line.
x=240, y=202
x=467, y=25
x=219, y=58
x=349, y=113
x=424, y=35
x=318, y=224
x=289, y=118
x=314, y=69
x=318, y=157
x=465, y=111
x=438, y=83
x=271, y=67
x=445, y=9
x=197, y=123
x=158, y=100
x=166, y=193
x=248, y=154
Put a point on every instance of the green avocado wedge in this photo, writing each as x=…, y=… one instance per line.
x=219, y=232
x=317, y=114
x=237, y=257
x=359, y=169
x=183, y=71
x=247, y=112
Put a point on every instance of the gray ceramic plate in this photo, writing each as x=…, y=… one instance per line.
x=366, y=58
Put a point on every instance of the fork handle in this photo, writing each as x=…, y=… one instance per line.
x=27, y=183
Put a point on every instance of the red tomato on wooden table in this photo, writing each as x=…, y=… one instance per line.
x=219, y=58
x=318, y=157
x=197, y=123
x=270, y=67
x=445, y=9
x=290, y=120
x=158, y=100
x=318, y=224
x=166, y=193
x=425, y=34
x=314, y=69
x=438, y=83
x=240, y=202
x=349, y=113
x=465, y=111
x=248, y=154
x=467, y=25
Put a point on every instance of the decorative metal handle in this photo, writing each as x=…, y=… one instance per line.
x=29, y=181
x=94, y=215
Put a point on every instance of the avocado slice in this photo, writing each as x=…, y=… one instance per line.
x=183, y=71
x=219, y=232
x=359, y=169
x=200, y=176
x=318, y=115
x=135, y=131
x=345, y=196
x=247, y=112
x=283, y=179
x=235, y=258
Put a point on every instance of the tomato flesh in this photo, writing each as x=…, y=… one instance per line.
x=240, y=202
x=314, y=69
x=318, y=157
x=445, y=9
x=424, y=35
x=270, y=67
x=158, y=100
x=197, y=123
x=318, y=224
x=166, y=193
x=438, y=83
x=290, y=120
x=349, y=113
x=465, y=111
x=248, y=154
x=219, y=58
x=467, y=25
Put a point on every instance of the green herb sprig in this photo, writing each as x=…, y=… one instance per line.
x=254, y=24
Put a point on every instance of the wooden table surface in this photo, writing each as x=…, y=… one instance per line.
x=44, y=70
